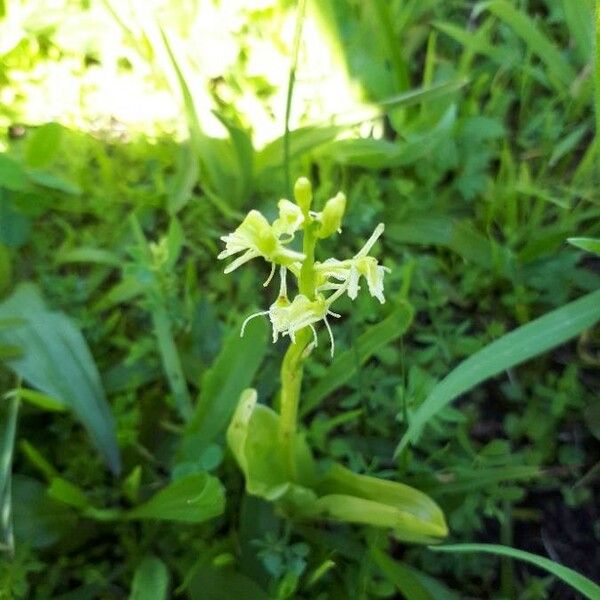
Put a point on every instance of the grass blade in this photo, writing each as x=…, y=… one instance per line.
x=577, y=581
x=345, y=365
x=511, y=349
x=290, y=93
x=579, y=17
x=410, y=582
x=597, y=81
x=457, y=234
x=8, y=410
x=537, y=42
x=223, y=383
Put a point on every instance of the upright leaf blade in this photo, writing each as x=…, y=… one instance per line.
x=511, y=349
x=545, y=49
x=56, y=360
x=413, y=584
x=223, y=383
x=8, y=425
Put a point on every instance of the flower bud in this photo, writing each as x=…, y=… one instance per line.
x=332, y=215
x=303, y=194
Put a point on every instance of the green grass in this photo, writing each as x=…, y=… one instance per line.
x=469, y=129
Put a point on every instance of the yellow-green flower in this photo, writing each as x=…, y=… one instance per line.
x=256, y=237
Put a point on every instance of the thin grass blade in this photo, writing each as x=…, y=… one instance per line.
x=510, y=350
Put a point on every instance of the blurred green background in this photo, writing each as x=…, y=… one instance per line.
x=134, y=134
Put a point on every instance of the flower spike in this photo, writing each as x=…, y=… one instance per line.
x=256, y=237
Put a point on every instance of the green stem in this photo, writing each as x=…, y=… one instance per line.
x=290, y=92
x=291, y=367
x=307, y=279
x=291, y=382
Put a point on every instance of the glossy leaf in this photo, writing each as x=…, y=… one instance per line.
x=56, y=360
x=577, y=581
x=515, y=347
x=412, y=515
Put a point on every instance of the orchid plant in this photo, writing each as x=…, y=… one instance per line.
x=277, y=463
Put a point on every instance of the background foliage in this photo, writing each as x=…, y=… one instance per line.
x=135, y=134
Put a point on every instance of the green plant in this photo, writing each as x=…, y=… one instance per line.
x=271, y=451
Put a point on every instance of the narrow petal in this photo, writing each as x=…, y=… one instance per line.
x=240, y=260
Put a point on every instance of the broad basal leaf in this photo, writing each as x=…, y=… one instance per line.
x=338, y=495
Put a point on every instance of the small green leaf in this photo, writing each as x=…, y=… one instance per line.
x=192, y=499
x=577, y=581
x=182, y=184
x=38, y=399
x=54, y=182
x=66, y=492
x=86, y=254
x=150, y=581
x=516, y=347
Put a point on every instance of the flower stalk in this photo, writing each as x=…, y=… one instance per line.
x=291, y=382
x=319, y=285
